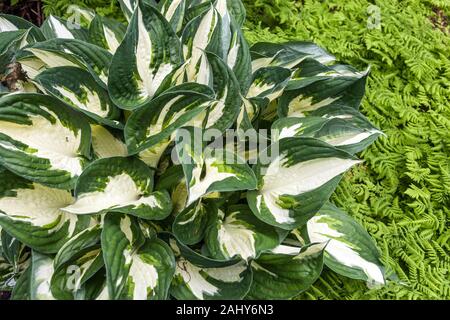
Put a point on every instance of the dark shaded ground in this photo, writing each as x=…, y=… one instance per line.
x=30, y=10
x=440, y=20
x=4, y=295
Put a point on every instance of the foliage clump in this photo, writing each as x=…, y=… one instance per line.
x=119, y=177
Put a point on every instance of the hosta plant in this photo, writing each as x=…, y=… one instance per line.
x=119, y=179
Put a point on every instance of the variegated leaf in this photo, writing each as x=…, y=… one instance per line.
x=42, y=141
x=128, y=6
x=239, y=233
x=119, y=185
x=195, y=8
x=14, y=23
x=296, y=176
x=78, y=89
x=36, y=60
x=210, y=170
x=10, y=42
x=76, y=263
x=222, y=113
x=173, y=11
x=87, y=239
x=279, y=276
x=147, y=56
x=31, y=213
x=237, y=10
x=54, y=27
x=350, y=250
x=72, y=281
x=268, y=84
x=288, y=54
x=138, y=269
x=315, y=86
x=200, y=278
x=349, y=131
x=21, y=289
x=67, y=52
x=106, y=33
x=13, y=251
x=190, y=224
x=105, y=144
x=239, y=58
x=202, y=34
x=153, y=125
x=173, y=180
x=40, y=276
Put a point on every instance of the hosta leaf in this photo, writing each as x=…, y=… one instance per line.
x=173, y=180
x=350, y=250
x=120, y=237
x=237, y=10
x=36, y=60
x=155, y=123
x=195, y=8
x=119, y=185
x=106, y=33
x=136, y=269
x=173, y=11
x=68, y=52
x=190, y=224
x=151, y=271
x=14, y=260
x=240, y=233
x=41, y=140
x=14, y=23
x=170, y=178
x=337, y=85
x=350, y=132
x=76, y=263
x=249, y=112
x=54, y=27
x=201, y=35
x=41, y=274
x=11, y=249
x=105, y=144
x=210, y=170
x=21, y=290
x=30, y=212
x=128, y=6
x=152, y=155
x=296, y=179
x=223, y=113
x=79, y=90
x=69, y=281
x=282, y=276
x=268, y=83
x=86, y=239
x=224, y=25
x=10, y=41
x=287, y=55
x=238, y=57
x=148, y=54
x=200, y=278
